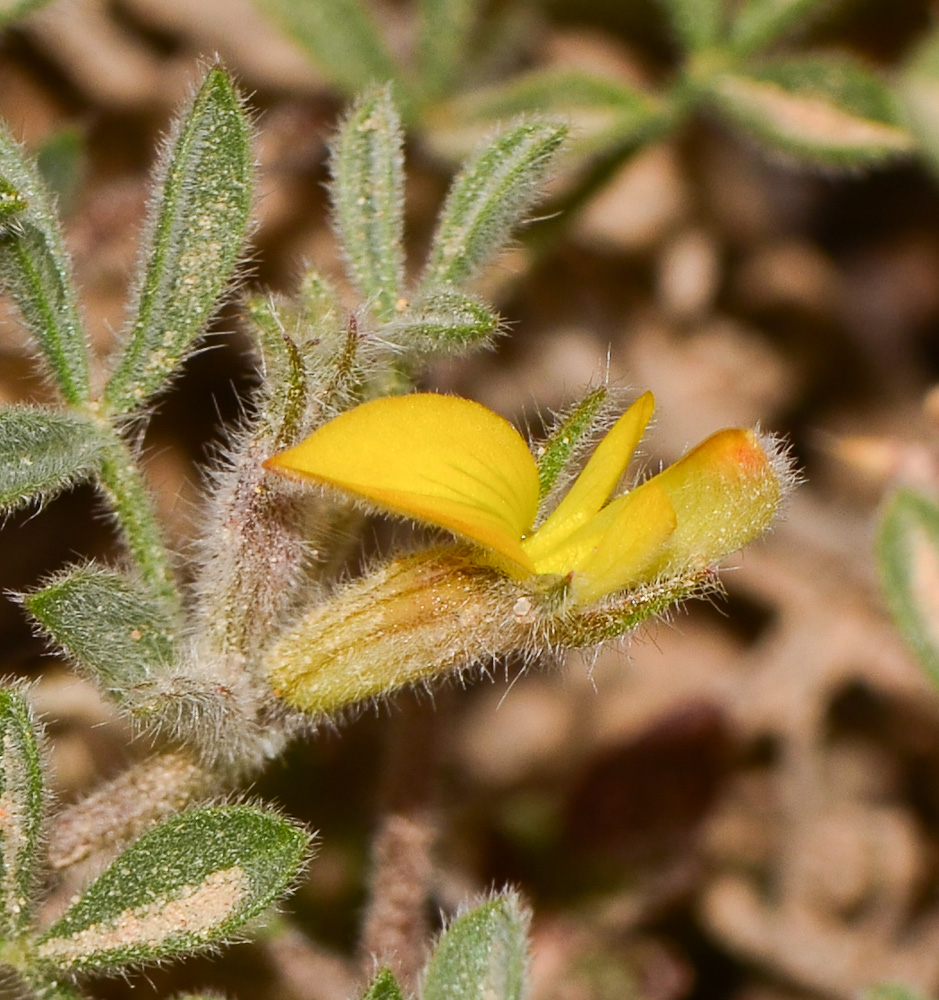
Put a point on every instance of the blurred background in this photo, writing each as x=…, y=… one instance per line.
x=742, y=802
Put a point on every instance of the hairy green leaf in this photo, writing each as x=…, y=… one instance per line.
x=36, y=274
x=892, y=991
x=827, y=111
x=12, y=202
x=368, y=199
x=197, y=233
x=482, y=954
x=21, y=811
x=442, y=319
x=908, y=561
x=443, y=51
x=340, y=36
x=114, y=629
x=488, y=199
x=601, y=111
x=13, y=10
x=699, y=24
x=918, y=91
x=43, y=452
x=62, y=164
x=758, y=23
x=186, y=884
x=385, y=987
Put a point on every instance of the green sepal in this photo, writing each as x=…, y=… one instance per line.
x=310, y=357
x=918, y=91
x=489, y=198
x=43, y=452
x=908, y=562
x=340, y=36
x=368, y=199
x=698, y=24
x=35, y=272
x=187, y=884
x=603, y=112
x=197, y=232
x=758, y=23
x=482, y=954
x=624, y=612
x=824, y=111
x=283, y=404
x=443, y=47
x=442, y=320
x=113, y=628
x=571, y=430
x=383, y=987
x=22, y=807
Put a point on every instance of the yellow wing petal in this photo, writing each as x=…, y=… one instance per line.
x=615, y=548
x=597, y=480
x=638, y=529
x=440, y=459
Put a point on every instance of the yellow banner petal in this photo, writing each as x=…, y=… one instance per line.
x=440, y=459
x=596, y=482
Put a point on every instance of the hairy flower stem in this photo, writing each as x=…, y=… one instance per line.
x=124, y=807
x=395, y=922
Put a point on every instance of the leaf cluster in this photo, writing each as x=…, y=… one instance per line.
x=183, y=662
x=745, y=63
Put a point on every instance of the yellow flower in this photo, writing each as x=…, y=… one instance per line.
x=453, y=463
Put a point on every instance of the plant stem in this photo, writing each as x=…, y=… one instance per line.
x=120, y=480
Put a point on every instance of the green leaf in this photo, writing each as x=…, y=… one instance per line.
x=340, y=36
x=699, y=24
x=385, y=987
x=21, y=811
x=62, y=164
x=568, y=436
x=368, y=199
x=193, y=881
x=482, y=954
x=44, y=986
x=442, y=319
x=600, y=110
x=13, y=10
x=918, y=91
x=488, y=199
x=36, y=274
x=824, y=111
x=12, y=202
x=758, y=23
x=443, y=50
x=43, y=452
x=908, y=560
x=197, y=233
x=892, y=991
x=111, y=626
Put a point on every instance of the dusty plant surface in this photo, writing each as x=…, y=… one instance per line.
x=742, y=802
